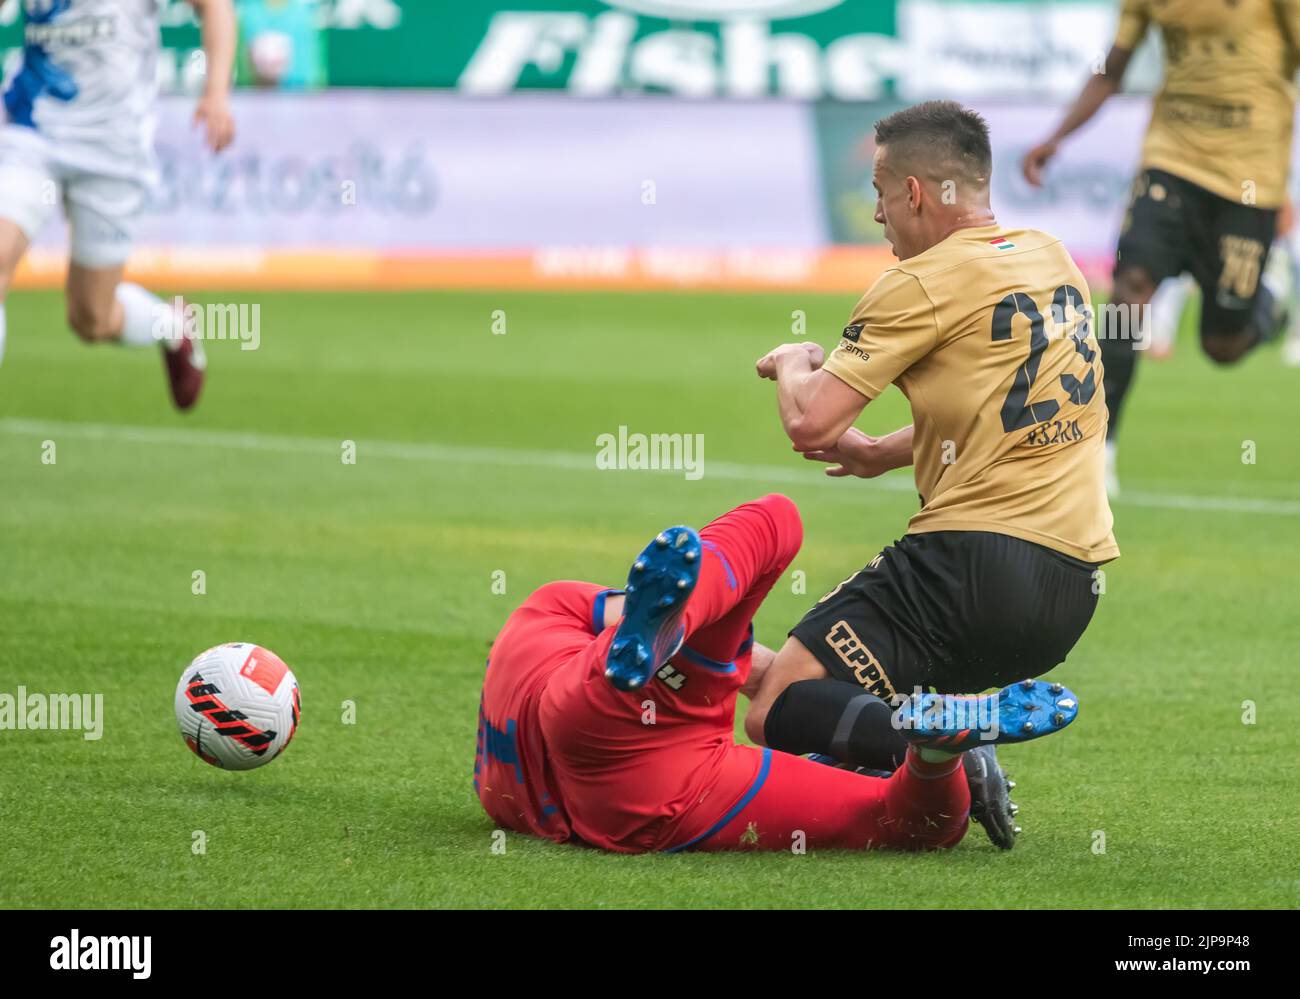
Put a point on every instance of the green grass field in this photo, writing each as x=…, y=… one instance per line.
x=476, y=454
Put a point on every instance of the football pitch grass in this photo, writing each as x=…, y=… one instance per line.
x=475, y=457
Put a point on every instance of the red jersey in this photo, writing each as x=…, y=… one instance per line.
x=511, y=775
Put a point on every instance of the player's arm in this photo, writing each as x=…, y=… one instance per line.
x=819, y=397
x=219, y=40
x=865, y=456
x=1095, y=92
x=893, y=327
x=1134, y=18
x=816, y=407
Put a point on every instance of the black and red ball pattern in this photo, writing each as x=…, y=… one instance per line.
x=228, y=722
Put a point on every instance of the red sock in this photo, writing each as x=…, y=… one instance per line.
x=746, y=550
x=928, y=804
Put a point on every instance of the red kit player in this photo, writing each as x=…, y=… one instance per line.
x=607, y=716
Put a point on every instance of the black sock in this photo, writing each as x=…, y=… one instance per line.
x=1119, y=360
x=836, y=718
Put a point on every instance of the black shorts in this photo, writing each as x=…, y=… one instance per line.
x=1174, y=226
x=956, y=611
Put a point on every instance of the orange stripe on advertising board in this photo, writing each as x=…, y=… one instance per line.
x=848, y=269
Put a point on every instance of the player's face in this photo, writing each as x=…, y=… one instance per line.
x=893, y=206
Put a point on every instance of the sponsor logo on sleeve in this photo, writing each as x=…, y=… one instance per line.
x=855, y=350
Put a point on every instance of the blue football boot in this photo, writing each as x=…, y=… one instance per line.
x=1026, y=710
x=660, y=582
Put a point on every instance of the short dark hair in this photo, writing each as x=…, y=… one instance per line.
x=942, y=136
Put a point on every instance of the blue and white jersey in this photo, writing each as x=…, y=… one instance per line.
x=89, y=72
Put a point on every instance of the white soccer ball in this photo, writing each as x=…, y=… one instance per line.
x=238, y=706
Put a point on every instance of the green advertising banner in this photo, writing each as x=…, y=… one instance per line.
x=808, y=49
x=844, y=50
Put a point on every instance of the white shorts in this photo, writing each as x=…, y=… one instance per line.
x=102, y=200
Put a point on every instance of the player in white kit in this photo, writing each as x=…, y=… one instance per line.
x=78, y=132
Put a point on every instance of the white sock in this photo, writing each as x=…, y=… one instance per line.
x=147, y=319
x=1292, y=243
x=2, y=332
x=1293, y=332
x=1277, y=272
x=1167, y=308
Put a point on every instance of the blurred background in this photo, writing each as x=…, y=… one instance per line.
x=624, y=144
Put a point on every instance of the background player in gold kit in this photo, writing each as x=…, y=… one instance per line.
x=986, y=331
x=1213, y=174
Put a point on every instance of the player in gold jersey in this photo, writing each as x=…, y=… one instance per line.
x=987, y=332
x=1213, y=174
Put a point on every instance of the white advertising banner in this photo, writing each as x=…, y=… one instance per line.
x=428, y=171
x=424, y=189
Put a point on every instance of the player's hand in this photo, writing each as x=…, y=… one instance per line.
x=760, y=659
x=1035, y=160
x=766, y=366
x=855, y=453
x=213, y=113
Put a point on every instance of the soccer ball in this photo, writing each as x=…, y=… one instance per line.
x=237, y=706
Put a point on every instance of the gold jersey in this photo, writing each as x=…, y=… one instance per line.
x=1223, y=116
x=987, y=334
